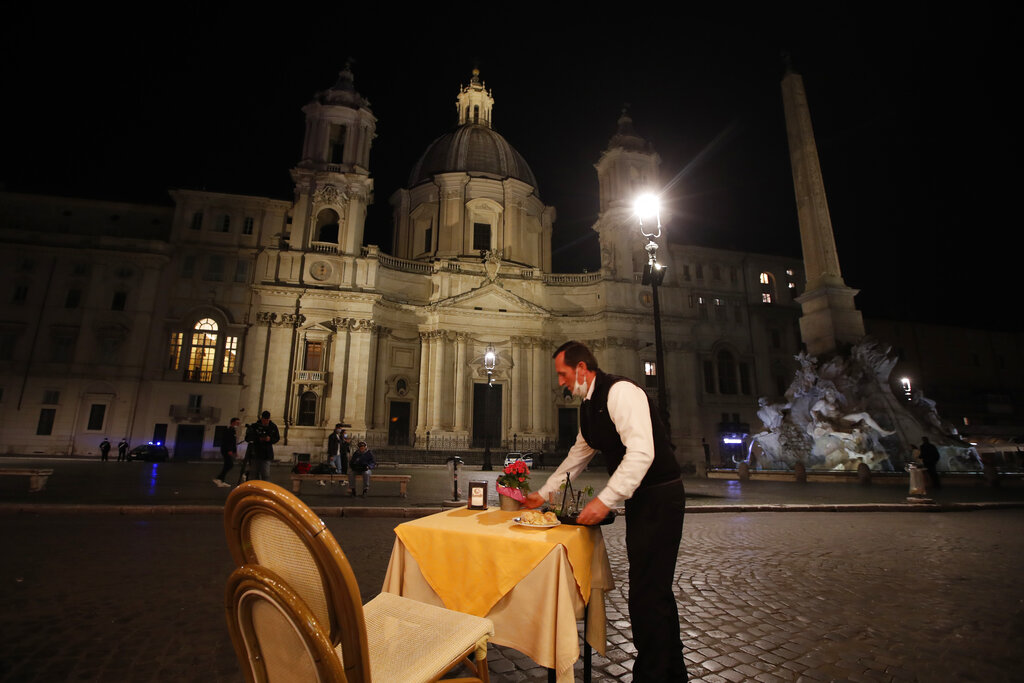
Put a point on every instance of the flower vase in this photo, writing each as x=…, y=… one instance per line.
x=509, y=503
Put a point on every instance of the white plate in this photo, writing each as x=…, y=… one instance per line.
x=518, y=521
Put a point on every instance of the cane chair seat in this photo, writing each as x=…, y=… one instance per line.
x=391, y=638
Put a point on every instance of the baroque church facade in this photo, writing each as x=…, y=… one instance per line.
x=159, y=323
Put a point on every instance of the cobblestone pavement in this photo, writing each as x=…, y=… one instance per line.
x=811, y=596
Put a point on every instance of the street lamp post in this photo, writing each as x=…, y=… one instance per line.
x=654, y=273
x=490, y=360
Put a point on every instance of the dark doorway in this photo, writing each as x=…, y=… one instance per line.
x=486, y=415
x=568, y=426
x=398, y=424
x=189, y=442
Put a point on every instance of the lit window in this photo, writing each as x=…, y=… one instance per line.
x=174, y=359
x=203, y=351
x=314, y=352
x=651, y=373
x=230, y=354
x=767, y=288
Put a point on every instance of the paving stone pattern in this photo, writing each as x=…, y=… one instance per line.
x=763, y=596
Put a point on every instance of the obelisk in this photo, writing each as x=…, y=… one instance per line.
x=830, y=320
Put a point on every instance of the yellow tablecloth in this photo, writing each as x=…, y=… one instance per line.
x=531, y=583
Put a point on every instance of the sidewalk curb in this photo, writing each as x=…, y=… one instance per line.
x=413, y=512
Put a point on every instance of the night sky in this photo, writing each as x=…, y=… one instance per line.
x=910, y=108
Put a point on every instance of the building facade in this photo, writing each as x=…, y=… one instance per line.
x=163, y=323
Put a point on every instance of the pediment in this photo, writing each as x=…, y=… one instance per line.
x=490, y=297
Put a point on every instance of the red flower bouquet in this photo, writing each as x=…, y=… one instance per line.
x=515, y=481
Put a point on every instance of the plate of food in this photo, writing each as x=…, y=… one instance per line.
x=537, y=520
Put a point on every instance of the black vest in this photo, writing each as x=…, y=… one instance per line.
x=599, y=432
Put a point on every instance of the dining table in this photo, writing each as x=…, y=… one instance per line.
x=534, y=583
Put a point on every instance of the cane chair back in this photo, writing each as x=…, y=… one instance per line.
x=274, y=632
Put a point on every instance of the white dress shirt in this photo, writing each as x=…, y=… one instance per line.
x=630, y=412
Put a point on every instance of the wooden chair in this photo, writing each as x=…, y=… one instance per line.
x=391, y=638
x=278, y=633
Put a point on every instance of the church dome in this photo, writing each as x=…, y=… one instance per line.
x=472, y=148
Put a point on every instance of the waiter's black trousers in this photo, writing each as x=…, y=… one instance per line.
x=654, y=528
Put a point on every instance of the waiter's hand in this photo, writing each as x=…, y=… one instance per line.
x=534, y=500
x=593, y=512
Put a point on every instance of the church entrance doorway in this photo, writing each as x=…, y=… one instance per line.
x=486, y=415
x=188, y=445
x=398, y=424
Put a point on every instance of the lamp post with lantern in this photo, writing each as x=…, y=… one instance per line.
x=648, y=206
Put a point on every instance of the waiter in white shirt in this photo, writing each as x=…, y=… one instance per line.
x=617, y=419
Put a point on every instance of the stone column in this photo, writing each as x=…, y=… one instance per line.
x=516, y=385
x=339, y=372
x=423, y=390
x=541, y=400
x=362, y=369
x=459, y=389
x=437, y=383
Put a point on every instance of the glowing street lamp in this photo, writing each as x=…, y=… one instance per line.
x=490, y=360
x=648, y=207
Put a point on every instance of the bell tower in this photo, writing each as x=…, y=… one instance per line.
x=332, y=181
x=628, y=167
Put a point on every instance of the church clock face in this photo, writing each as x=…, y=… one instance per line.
x=321, y=270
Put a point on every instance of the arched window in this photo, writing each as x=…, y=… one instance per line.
x=726, y=373
x=198, y=349
x=307, y=409
x=203, y=351
x=327, y=226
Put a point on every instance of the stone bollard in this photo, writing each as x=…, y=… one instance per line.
x=863, y=474
x=744, y=471
x=801, y=473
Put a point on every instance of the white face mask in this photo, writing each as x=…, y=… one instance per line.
x=579, y=389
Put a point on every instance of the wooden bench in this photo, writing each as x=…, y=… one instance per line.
x=402, y=479
x=36, y=477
